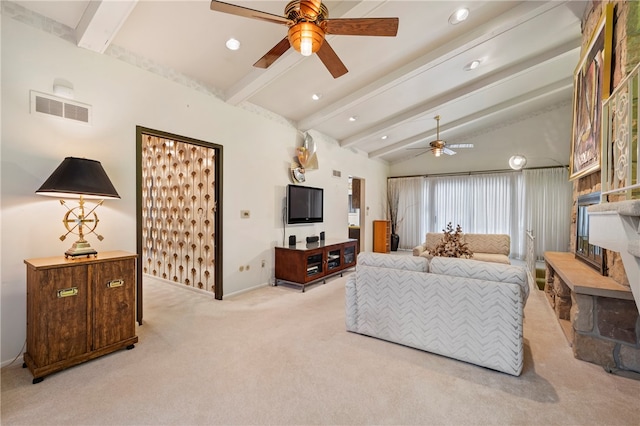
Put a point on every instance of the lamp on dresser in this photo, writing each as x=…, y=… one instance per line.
x=84, y=179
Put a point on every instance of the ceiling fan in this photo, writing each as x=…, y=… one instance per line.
x=439, y=147
x=308, y=23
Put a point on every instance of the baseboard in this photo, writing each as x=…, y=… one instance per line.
x=239, y=292
x=180, y=285
x=16, y=360
x=205, y=292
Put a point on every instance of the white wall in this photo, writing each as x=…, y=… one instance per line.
x=257, y=153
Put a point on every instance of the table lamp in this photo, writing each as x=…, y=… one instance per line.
x=84, y=179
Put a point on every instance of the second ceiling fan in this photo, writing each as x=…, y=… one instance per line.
x=438, y=147
x=308, y=22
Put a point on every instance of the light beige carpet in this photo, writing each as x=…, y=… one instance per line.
x=278, y=356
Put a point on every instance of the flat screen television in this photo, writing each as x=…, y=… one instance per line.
x=304, y=204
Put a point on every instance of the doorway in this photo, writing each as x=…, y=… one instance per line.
x=179, y=215
x=356, y=210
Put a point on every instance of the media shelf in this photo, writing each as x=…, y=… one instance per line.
x=304, y=264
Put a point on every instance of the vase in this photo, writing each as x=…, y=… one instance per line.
x=395, y=240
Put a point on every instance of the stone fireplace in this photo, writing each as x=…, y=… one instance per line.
x=599, y=313
x=598, y=316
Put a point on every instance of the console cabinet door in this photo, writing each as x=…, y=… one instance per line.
x=349, y=254
x=57, y=311
x=334, y=258
x=114, y=302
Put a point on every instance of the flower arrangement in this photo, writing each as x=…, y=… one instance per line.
x=452, y=245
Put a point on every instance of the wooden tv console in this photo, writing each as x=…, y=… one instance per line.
x=305, y=264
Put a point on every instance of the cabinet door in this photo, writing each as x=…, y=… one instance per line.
x=315, y=264
x=349, y=254
x=355, y=193
x=334, y=258
x=114, y=302
x=57, y=314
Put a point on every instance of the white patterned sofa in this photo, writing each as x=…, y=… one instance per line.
x=459, y=308
x=485, y=247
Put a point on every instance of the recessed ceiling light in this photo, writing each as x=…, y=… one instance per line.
x=384, y=137
x=233, y=44
x=316, y=96
x=459, y=16
x=353, y=118
x=472, y=65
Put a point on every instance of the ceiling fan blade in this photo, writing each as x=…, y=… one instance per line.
x=330, y=60
x=448, y=151
x=362, y=26
x=271, y=56
x=219, y=6
x=460, y=145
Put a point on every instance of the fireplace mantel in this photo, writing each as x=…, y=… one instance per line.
x=616, y=226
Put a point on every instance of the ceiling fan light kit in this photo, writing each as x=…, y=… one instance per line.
x=308, y=22
x=306, y=38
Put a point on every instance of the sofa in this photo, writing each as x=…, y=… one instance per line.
x=459, y=308
x=485, y=247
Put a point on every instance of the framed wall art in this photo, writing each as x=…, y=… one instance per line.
x=591, y=85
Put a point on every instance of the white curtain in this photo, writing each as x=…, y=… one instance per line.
x=450, y=201
x=492, y=203
x=411, y=210
x=480, y=203
x=548, y=198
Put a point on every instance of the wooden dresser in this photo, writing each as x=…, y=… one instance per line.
x=78, y=309
x=382, y=236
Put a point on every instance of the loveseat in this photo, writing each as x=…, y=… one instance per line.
x=485, y=247
x=463, y=309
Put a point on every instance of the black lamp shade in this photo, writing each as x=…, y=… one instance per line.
x=79, y=176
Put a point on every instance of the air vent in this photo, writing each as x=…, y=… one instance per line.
x=337, y=173
x=42, y=103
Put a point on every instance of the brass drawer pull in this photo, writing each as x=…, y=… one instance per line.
x=67, y=292
x=115, y=283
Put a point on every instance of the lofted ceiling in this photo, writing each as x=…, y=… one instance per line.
x=395, y=86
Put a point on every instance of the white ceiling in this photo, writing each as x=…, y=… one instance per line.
x=395, y=85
